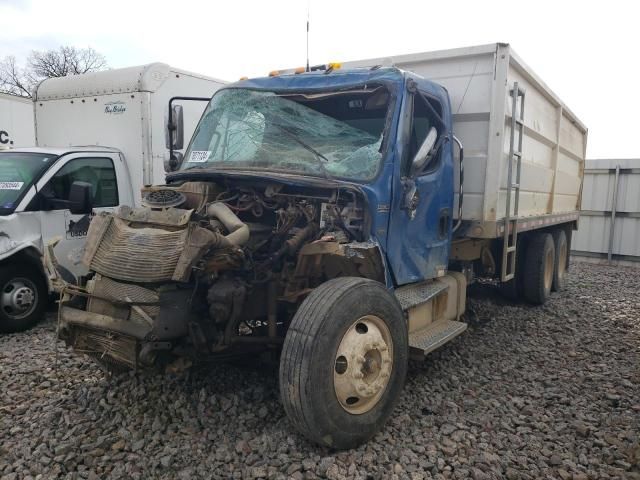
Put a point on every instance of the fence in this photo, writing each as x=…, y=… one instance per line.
x=609, y=227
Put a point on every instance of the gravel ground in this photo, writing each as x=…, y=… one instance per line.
x=545, y=392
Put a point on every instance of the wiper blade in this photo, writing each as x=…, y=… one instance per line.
x=321, y=158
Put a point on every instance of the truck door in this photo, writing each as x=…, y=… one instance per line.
x=421, y=214
x=97, y=169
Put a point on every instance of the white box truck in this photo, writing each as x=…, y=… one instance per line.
x=16, y=121
x=100, y=136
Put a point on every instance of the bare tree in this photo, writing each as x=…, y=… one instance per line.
x=47, y=64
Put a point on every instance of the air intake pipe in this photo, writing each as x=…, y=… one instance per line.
x=238, y=230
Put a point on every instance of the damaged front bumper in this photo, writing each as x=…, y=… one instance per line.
x=124, y=325
x=73, y=317
x=115, y=343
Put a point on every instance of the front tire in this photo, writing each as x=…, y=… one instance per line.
x=344, y=362
x=23, y=297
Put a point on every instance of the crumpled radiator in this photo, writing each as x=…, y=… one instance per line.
x=146, y=246
x=104, y=288
x=117, y=250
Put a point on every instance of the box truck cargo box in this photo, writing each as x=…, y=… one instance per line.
x=124, y=108
x=16, y=121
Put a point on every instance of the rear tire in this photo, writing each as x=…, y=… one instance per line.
x=344, y=362
x=23, y=297
x=539, y=266
x=561, y=260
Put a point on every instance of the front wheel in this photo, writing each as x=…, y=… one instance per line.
x=344, y=362
x=23, y=297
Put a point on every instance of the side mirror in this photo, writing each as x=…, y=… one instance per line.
x=174, y=137
x=423, y=155
x=80, y=198
x=172, y=164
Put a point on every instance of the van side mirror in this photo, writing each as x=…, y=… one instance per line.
x=80, y=198
x=174, y=135
x=424, y=153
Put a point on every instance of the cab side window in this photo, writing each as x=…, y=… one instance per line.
x=99, y=172
x=422, y=120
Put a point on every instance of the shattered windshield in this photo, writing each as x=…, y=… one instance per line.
x=17, y=172
x=333, y=134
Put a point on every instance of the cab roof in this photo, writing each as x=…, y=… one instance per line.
x=322, y=79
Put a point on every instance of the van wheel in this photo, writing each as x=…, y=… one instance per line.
x=561, y=260
x=344, y=362
x=23, y=298
x=538, y=268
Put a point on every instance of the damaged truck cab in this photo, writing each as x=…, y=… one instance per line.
x=302, y=204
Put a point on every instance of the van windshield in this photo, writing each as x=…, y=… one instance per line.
x=17, y=173
x=330, y=134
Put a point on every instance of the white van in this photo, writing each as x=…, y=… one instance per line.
x=101, y=137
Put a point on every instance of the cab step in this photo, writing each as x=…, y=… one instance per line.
x=419, y=293
x=433, y=336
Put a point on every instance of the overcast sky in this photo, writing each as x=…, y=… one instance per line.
x=587, y=52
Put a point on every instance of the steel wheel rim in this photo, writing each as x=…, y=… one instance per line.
x=18, y=298
x=363, y=364
x=548, y=270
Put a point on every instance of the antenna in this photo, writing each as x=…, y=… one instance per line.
x=308, y=1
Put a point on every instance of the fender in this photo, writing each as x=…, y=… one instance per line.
x=23, y=252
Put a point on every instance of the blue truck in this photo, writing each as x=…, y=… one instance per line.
x=333, y=219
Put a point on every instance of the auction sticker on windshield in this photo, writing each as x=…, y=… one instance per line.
x=199, y=156
x=11, y=185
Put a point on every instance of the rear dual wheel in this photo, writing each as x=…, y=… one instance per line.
x=561, y=244
x=344, y=362
x=539, y=267
x=542, y=260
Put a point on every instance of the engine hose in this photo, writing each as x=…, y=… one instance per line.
x=238, y=230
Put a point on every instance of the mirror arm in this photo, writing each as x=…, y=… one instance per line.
x=441, y=125
x=412, y=86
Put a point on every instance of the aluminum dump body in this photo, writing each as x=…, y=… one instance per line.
x=479, y=81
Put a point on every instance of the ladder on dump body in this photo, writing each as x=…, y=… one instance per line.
x=510, y=238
